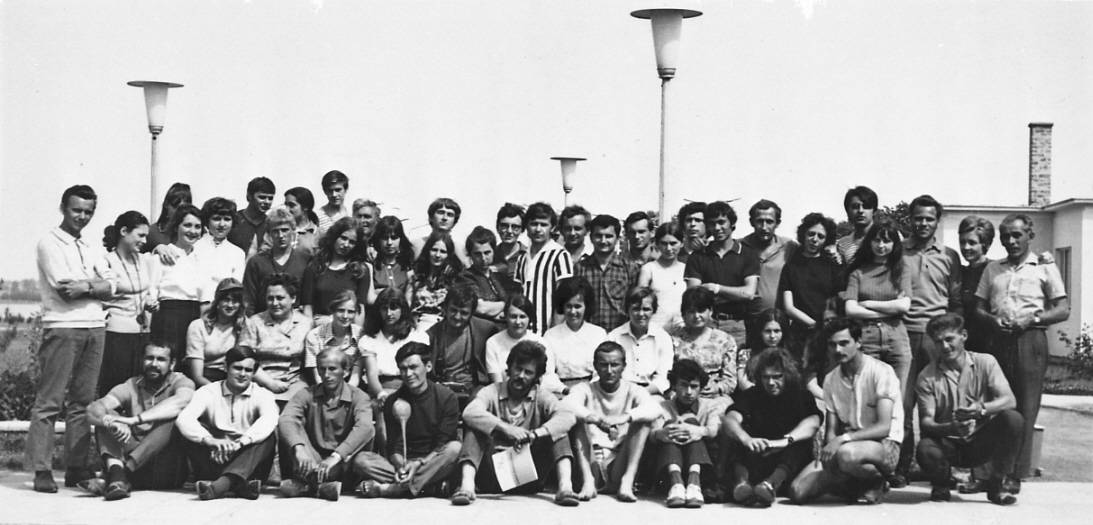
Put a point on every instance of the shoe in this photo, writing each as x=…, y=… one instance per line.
x=117, y=490
x=43, y=482
x=205, y=490
x=764, y=494
x=566, y=498
x=743, y=494
x=972, y=486
x=897, y=481
x=74, y=476
x=997, y=494
x=694, y=497
x=292, y=488
x=369, y=489
x=462, y=498
x=250, y=490
x=94, y=486
x=875, y=493
x=1011, y=485
x=940, y=494
x=330, y=490
x=677, y=496
x=714, y=494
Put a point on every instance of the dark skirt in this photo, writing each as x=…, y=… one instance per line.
x=170, y=323
x=122, y=358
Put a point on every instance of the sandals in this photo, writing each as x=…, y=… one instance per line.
x=566, y=498
x=462, y=498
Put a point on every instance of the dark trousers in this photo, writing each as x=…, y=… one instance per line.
x=760, y=467
x=170, y=323
x=341, y=472
x=122, y=358
x=998, y=441
x=1023, y=359
x=478, y=449
x=685, y=456
x=155, y=459
x=251, y=462
x=922, y=351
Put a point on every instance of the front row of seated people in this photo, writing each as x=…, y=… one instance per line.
x=602, y=437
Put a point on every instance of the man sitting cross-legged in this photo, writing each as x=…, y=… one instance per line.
x=323, y=428
x=769, y=429
x=429, y=433
x=229, y=426
x=684, y=433
x=517, y=413
x=967, y=413
x=135, y=430
x=864, y=423
x=613, y=418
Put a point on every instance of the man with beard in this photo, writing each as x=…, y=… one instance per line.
x=517, y=413
x=860, y=204
x=249, y=227
x=134, y=427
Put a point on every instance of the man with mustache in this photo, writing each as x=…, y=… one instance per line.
x=134, y=427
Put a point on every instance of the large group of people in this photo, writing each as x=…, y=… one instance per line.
x=613, y=356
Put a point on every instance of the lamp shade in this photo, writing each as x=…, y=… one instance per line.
x=667, y=25
x=569, y=167
x=155, y=101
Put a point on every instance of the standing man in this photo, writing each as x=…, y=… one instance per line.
x=335, y=185
x=459, y=345
x=1019, y=297
x=692, y=221
x=573, y=226
x=444, y=214
x=860, y=204
x=250, y=224
x=323, y=428
x=728, y=269
x=73, y=285
x=368, y=214
x=432, y=446
x=517, y=413
x=611, y=275
x=640, y=247
x=546, y=262
x=935, y=290
x=510, y=224
x=135, y=429
x=773, y=251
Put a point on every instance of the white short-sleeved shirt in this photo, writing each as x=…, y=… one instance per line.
x=217, y=262
x=384, y=349
x=573, y=350
x=498, y=347
x=668, y=285
x=855, y=400
x=648, y=358
x=1021, y=289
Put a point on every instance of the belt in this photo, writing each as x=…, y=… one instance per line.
x=728, y=317
x=585, y=378
x=891, y=321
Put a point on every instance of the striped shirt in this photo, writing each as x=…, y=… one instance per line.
x=539, y=275
x=847, y=246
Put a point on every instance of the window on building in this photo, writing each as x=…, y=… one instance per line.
x=1062, y=260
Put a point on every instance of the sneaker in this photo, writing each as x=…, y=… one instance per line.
x=292, y=488
x=43, y=482
x=677, y=496
x=93, y=486
x=117, y=490
x=330, y=490
x=764, y=494
x=940, y=494
x=694, y=497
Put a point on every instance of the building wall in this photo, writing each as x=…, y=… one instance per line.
x=1072, y=226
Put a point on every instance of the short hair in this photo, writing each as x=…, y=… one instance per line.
x=604, y=220
x=239, y=353
x=445, y=202
x=983, y=229
x=509, y=210
x=696, y=299
x=215, y=207
x=333, y=177
x=779, y=359
x=284, y=280
x=177, y=195
x=636, y=216
x=636, y=295
x=867, y=197
x=524, y=304
x=343, y=358
x=813, y=219
x=667, y=228
x=479, y=235
x=764, y=204
x=527, y=351
x=687, y=370
x=414, y=348
x=838, y=324
x=160, y=343
x=574, y=210
x=461, y=296
x=344, y=296
x=571, y=287
x=279, y=215
x=720, y=209
x=260, y=185
x=129, y=221
x=691, y=208
x=361, y=203
x=944, y=323
x=178, y=216
x=1014, y=217
x=926, y=201
x=81, y=191
x=541, y=210
x=607, y=347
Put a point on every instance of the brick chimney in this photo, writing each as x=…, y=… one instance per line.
x=1039, y=163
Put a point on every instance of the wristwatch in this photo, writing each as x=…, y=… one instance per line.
x=789, y=439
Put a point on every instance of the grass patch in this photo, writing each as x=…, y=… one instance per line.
x=1063, y=377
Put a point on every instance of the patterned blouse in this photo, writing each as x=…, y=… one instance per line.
x=715, y=351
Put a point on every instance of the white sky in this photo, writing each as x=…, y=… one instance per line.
x=793, y=101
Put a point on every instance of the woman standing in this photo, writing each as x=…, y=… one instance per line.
x=810, y=281
x=394, y=255
x=301, y=204
x=665, y=276
x=434, y=271
x=339, y=266
x=574, y=341
x=210, y=337
x=976, y=236
x=126, y=318
x=338, y=332
x=159, y=233
x=711, y=348
x=179, y=286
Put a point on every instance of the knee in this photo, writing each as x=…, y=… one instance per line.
x=928, y=452
x=848, y=458
x=1011, y=421
x=450, y=450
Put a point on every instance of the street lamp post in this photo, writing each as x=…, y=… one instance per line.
x=569, y=168
x=155, y=102
x=667, y=25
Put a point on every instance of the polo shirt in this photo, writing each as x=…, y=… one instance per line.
x=772, y=258
x=854, y=400
x=1020, y=289
x=493, y=406
x=648, y=358
x=610, y=284
x=247, y=232
x=64, y=257
x=573, y=349
x=813, y=282
x=538, y=276
x=340, y=424
x=730, y=269
x=935, y=282
x=215, y=411
x=941, y=390
x=135, y=395
x=772, y=417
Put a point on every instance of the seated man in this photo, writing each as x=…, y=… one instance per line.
x=515, y=413
x=323, y=428
x=683, y=433
x=422, y=450
x=864, y=423
x=459, y=345
x=967, y=413
x=134, y=427
x=229, y=425
x=769, y=429
x=607, y=446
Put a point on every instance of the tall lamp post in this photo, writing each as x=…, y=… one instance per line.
x=155, y=102
x=667, y=25
x=569, y=168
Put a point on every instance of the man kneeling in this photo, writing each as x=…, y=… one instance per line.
x=517, y=413
x=134, y=427
x=323, y=428
x=967, y=413
x=689, y=422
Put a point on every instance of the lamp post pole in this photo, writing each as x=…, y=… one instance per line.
x=155, y=102
x=569, y=168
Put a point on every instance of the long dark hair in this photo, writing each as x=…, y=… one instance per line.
x=885, y=230
x=128, y=220
x=373, y=322
x=356, y=257
x=452, y=265
x=389, y=226
x=177, y=195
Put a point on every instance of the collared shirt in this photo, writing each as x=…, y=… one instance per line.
x=712, y=349
x=434, y=420
x=539, y=275
x=847, y=247
x=280, y=347
x=935, y=282
x=384, y=349
x=731, y=269
x=854, y=400
x=648, y=358
x=209, y=341
x=247, y=232
x=492, y=406
x=573, y=350
x=772, y=258
x=707, y=412
x=64, y=257
x=322, y=338
x=217, y=262
x=942, y=390
x=610, y=283
x=1022, y=289
x=182, y=280
x=585, y=399
x=342, y=424
x=216, y=412
x=122, y=310
x=135, y=395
